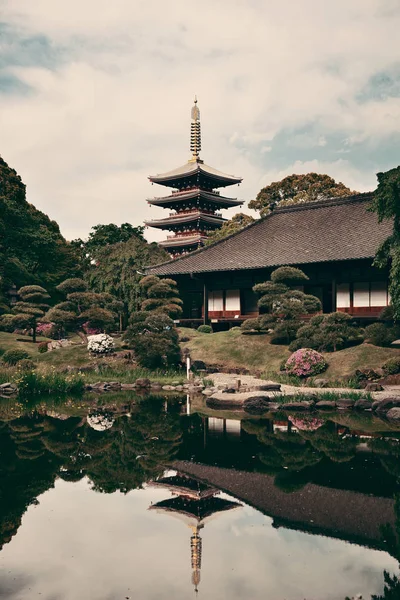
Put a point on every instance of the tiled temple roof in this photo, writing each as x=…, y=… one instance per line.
x=331, y=230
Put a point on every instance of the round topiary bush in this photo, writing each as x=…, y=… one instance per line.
x=100, y=344
x=306, y=363
x=205, y=329
x=12, y=357
x=380, y=334
x=392, y=366
x=42, y=348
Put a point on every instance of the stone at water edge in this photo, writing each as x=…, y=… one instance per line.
x=373, y=387
x=345, y=403
x=321, y=383
x=168, y=388
x=382, y=406
x=363, y=404
x=326, y=405
x=143, y=382
x=269, y=387
x=393, y=414
x=256, y=405
x=297, y=406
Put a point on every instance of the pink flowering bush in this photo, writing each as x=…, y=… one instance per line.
x=305, y=363
x=44, y=329
x=306, y=423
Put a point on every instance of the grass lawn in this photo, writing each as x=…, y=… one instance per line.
x=254, y=352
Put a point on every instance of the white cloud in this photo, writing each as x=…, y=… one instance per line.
x=116, y=109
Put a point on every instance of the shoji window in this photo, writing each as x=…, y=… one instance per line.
x=215, y=301
x=361, y=295
x=343, y=295
x=232, y=300
x=379, y=294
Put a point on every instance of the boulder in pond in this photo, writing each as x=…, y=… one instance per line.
x=256, y=405
x=345, y=403
x=297, y=406
x=382, y=406
x=393, y=414
x=363, y=404
x=143, y=382
x=325, y=405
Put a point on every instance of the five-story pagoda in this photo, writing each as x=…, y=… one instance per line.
x=194, y=198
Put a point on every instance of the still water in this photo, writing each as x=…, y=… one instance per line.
x=158, y=499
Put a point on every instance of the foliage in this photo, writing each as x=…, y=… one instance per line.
x=154, y=339
x=392, y=366
x=162, y=296
x=32, y=249
x=43, y=347
x=252, y=326
x=83, y=308
x=100, y=344
x=205, y=329
x=118, y=271
x=381, y=334
x=391, y=590
x=12, y=357
x=32, y=383
x=31, y=307
x=306, y=363
x=386, y=203
x=235, y=224
x=282, y=306
x=327, y=333
x=101, y=236
x=297, y=189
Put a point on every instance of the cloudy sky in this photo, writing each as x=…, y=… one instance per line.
x=96, y=95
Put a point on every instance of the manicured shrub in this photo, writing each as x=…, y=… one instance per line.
x=100, y=344
x=392, y=366
x=154, y=339
x=42, y=347
x=26, y=364
x=381, y=334
x=205, y=329
x=285, y=331
x=328, y=333
x=12, y=357
x=306, y=363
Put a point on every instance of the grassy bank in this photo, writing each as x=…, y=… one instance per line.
x=254, y=352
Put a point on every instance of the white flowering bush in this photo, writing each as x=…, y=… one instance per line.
x=100, y=344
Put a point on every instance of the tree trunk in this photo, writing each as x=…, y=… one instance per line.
x=34, y=333
x=83, y=336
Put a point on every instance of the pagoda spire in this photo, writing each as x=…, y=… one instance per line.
x=195, y=133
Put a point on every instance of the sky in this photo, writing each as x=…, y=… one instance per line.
x=95, y=96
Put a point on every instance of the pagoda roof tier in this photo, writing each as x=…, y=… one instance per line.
x=183, y=241
x=185, y=486
x=197, y=509
x=195, y=173
x=183, y=219
x=196, y=194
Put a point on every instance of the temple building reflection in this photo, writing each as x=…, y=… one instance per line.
x=194, y=503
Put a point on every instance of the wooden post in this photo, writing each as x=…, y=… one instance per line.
x=333, y=295
x=205, y=304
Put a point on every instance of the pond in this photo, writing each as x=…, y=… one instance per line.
x=156, y=497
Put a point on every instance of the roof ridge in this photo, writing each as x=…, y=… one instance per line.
x=362, y=197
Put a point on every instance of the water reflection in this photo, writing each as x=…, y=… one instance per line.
x=80, y=477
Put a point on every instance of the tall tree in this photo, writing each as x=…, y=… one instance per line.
x=386, y=204
x=238, y=222
x=32, y=249
x=162, y=296
x=295, y=189
x=119, y=269
x=102, y=236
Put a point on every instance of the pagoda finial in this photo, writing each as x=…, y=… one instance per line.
x=195, y=133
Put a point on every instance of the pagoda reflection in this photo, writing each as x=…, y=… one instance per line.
x=194, y=503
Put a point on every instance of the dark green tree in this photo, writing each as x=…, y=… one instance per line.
x=102, y=236
x=119, y=269
x=162, y=296
x=154, y=339
x=327, y=333
x=237, y=223
x=296, y=189
x=386, y=204
x=31, y=307
x=82, y=307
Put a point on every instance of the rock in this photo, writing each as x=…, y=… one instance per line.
x=114, y=385
x=326, y=405
x=128, y=386
x=269, y=387
x=168, y=388
x=175, y=383
x=208, y=392
x=367, y=375
x=199, y=365
x=296, y=406
x=156, y=386
x=256, y=405
x=382, y=406
x=179, y=388
x=184, y=339
x=373, y=387
x=321, y=383
x=274, y=407
x=363, y=404
x=229, y=390
x=393, y=414
x=5, y=386
x=143, y=382
x=345, y=403
x=230, y=403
